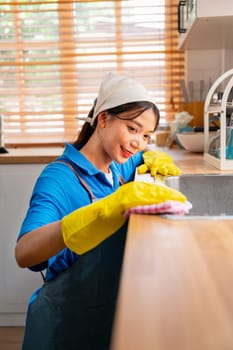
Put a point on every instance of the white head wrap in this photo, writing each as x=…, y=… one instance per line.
x=116, y=90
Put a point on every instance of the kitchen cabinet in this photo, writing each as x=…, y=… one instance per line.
x=207, y=26
x=16, y=182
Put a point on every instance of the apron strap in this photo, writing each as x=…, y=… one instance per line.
x=83, y=183
x=121, y=180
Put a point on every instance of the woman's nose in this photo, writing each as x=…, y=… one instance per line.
x=137, y=141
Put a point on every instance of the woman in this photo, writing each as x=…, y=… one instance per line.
x=75, y=228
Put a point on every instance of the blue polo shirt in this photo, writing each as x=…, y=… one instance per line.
x=58, y=192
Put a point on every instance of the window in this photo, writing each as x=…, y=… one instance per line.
x=54, y=54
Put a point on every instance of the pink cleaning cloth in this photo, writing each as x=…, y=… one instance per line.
x=168, y=207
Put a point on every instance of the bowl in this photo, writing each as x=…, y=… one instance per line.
x=191, y=141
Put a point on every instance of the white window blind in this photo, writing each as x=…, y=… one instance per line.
x=54, y=54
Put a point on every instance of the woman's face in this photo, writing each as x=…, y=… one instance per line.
x=121, y=138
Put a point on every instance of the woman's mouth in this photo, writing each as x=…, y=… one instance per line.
x=125, y=153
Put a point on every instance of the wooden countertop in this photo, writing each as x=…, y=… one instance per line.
x=176, y=289
x=31, y=155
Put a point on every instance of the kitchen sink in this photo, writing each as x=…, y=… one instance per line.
x=211, y=195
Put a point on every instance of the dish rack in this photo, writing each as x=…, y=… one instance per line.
x=215, y=109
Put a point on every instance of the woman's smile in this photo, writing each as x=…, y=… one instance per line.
x=126, y=153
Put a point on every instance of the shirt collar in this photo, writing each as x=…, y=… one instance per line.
x=72, y=153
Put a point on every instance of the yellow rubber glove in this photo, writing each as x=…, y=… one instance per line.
x=158, y=163
x=88, y=226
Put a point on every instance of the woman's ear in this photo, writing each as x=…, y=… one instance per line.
x=102, y=118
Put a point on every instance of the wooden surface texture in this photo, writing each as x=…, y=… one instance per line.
x=176, y=290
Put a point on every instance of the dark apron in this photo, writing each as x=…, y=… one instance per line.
x=75, y=311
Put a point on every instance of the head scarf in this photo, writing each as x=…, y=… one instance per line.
x=116, y=90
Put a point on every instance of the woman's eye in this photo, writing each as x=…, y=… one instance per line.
x=132, y=129
x=147, y=137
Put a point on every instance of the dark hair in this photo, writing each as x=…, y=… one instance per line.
x=136, y=107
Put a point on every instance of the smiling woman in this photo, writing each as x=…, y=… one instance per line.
x=53, y=54
x=124, y=99
x=75, y=226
